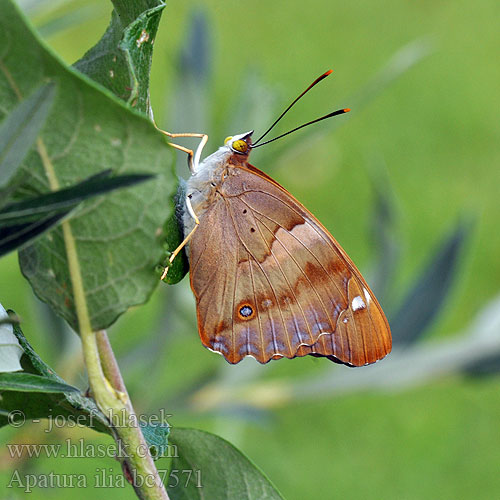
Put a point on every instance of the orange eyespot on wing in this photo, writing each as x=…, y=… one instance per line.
x=245, y=312
x=271, y=282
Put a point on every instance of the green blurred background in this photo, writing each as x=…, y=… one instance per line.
x=418, y=154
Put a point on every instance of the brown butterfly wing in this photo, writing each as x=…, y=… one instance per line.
x=270, y=281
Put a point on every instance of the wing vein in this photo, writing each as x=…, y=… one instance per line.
x=333, y=324
x=277, y=300
x=253, y=285
x=291, y=207
x=309, y=281
x=302, y=243
x=234, y=291
x=263, y=350
x=291, y=288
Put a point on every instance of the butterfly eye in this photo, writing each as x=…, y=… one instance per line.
x=240, y=146
x=227, y=139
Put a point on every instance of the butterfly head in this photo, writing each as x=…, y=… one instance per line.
x=240, y=144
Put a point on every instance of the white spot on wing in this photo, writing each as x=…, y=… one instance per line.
x=367, y=295
x=358, y=303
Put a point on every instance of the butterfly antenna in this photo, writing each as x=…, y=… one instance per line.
x=329, y=115
x=324, y=75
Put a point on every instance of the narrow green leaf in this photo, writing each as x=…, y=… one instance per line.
x=119, y=238
x=195, y=57
x=23, y=221
x=32, y=363
x=70, y=404
x=190, y=104
x=58, y=21
x=15, y=236
x=20, y=128
x=484, y=367
x=383, y=233
x=218, y=470
x=426, y=297
x=68, y=198
x=27, y=382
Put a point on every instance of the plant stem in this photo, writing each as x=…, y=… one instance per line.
x=128, y=430
x=108, y=361
x=105, y=379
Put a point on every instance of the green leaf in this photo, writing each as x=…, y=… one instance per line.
x=23, y=221
x=427, y=295
x=157, y=438
x=43, y=384
x=16, y=235
x=60, y=20
x=69, y=197
x=225, y=472
x=119, y=238
x=121, y=60
x=383, y=233
x=67, y=402
x=20, y=129
x=27, y=382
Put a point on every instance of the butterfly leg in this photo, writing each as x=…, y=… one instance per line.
x=187, y=238
x=193, y=158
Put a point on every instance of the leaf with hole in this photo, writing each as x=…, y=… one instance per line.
x=121, y=60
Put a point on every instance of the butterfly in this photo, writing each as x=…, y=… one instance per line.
x=269, y=280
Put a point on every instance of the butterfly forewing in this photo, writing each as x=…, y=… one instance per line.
x=271, y=282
